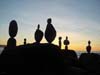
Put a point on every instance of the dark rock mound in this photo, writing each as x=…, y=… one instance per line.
x=70, y=57
x=90, y=62
x=32, y=58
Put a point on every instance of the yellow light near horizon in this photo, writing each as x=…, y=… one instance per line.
x=77, y=41
x=3, y=42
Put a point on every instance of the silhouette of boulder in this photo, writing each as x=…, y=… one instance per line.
x=88, y=48
x=66, y=43
x=50, y=32
x=90, y=62
x=60, y=43
x=70, y=57
x=11, y=43
x=41, y=58
x=38, y=34
x=13, y=28
x=24, y=41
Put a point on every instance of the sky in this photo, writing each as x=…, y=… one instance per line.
x=77, y=19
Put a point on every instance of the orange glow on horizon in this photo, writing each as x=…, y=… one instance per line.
x=77, y=41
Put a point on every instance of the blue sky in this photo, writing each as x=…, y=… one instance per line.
x=78, y=19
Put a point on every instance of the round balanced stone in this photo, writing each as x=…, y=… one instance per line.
x=13, y=28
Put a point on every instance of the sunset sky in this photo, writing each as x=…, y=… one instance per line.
x=77, y=19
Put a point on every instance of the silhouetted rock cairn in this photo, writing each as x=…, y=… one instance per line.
x=38, y=34
x=60, y=38
x=24, y=41
x=50, y=32
x=88, y=48
x=66, y=43
x=13, y=29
